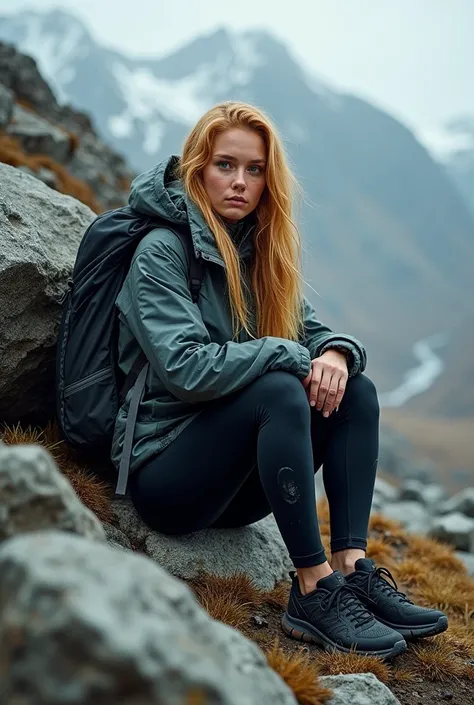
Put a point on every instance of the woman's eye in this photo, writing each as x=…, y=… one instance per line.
x=223, y=165
x=258, y=169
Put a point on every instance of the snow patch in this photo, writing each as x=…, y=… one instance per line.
x=246, y=58
x=146, y=95
x=444, y=143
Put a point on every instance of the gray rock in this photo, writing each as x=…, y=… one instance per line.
x=467, y=559
x=256, y=550
x=115, y=537
x=455, y=529
x=35, y=495
x=82, y=623
x=462, y=502
x=38, y=136
x=386, y=491
x=358, y=689
x=412, y=515
x=6, y=106
x=430, y=495
x=40, y=232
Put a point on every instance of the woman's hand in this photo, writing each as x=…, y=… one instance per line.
x=326, y=381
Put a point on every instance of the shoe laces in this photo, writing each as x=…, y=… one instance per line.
x=347, y=601
x=380, y=577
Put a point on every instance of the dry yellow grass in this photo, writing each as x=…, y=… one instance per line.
x=278, y=597
x=453, y=594
x=331, y=664
x=435, y=660
x=438, y=556
x=239, y=587
x=460, y=640
x=12, y=153
x=300, y=674
x=410, y=572
x=228, y=599
x=380, y=551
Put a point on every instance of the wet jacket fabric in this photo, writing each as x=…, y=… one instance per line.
x=193, y=357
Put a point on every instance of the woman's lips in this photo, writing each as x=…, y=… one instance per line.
x=237, y=202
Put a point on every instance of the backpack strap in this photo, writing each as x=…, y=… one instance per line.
x=137, y=375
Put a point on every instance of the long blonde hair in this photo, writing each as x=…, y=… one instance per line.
x=276, y=273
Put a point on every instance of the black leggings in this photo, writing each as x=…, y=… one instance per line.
x=255, y=452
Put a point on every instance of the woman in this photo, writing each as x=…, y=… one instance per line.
x=248, y=394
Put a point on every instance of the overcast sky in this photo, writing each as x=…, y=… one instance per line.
x=412, y=57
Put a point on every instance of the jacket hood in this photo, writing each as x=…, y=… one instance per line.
x=158, y=192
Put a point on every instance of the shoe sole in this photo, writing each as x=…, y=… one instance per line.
x=420, y=631
x=303, y=631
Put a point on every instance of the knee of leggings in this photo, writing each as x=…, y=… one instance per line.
x=283, y=390
x=362, y=393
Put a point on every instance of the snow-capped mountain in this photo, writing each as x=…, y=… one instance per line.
x=146, y=106
x=389, y=241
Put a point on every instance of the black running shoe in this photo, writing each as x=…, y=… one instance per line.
x=333, y=617
x=392, y=607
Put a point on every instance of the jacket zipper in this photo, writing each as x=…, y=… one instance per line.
x=87, y=381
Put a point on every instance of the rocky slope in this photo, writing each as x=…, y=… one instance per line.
x=56, y=143
x=389, y=240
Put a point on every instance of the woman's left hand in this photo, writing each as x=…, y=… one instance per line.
x=326, y=382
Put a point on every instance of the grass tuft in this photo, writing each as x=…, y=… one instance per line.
x=380, y=551
x=410, y=573
x=12, y=153
x=436, y=661
x=300, y=674
x=227, y=599
x=332, y=664
x=278, y=597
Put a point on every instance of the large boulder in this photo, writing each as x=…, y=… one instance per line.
x=256, y=550
x=40, y=231
x=358, y=689
x=35, y=495
x=414, y=516
x=82, y=623
x=455, y=529
x=462, y=502
x=428, y=494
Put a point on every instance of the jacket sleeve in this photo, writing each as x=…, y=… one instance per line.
x=318, y=338
x=159, y=310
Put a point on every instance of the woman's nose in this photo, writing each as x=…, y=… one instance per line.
x=239, y=180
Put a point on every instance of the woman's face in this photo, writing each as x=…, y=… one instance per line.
x=234, y=177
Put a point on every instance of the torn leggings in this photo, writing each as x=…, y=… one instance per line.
x=255, y=452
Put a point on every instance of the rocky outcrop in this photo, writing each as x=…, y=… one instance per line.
x=43, y=127
x=422, y=508
x=359, y=689
x=85, y=624
x=256, y=550
x=40, y=231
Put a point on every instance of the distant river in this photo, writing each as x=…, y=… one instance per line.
x=420, y=378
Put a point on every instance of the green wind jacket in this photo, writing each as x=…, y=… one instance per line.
x=192, y=356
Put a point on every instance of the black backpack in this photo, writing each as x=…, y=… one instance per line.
x=90, y=387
